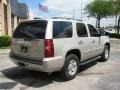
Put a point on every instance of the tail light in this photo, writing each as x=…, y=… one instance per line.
x=49, y=48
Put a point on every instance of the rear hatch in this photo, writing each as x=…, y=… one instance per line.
x=28, y=40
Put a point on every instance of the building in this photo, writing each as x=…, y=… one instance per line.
x=11, y=13
x=31, y=16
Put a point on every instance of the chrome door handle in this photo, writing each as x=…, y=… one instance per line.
x=93, y=41
x=80, y=42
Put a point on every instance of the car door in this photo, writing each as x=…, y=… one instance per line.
x=94, y=41
x=83, y=41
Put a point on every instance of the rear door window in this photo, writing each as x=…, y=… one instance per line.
x=31, y=29
x=81, y=30
x=62, y=29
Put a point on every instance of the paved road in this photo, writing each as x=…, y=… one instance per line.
x=93, y=76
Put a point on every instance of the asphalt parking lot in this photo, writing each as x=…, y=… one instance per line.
x=93, y=76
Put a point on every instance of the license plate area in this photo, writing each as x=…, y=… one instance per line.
x=24, y=49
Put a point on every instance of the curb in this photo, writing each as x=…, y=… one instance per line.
x=4, y=51
x=114, y=39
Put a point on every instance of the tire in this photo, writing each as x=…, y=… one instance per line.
x=106, y=53
x=70, y=68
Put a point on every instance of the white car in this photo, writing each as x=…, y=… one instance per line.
x=57, y=45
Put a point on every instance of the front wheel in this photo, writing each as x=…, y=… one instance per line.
x=106, y=53
x=70, y=68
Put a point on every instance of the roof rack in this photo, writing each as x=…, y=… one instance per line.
x=65, y=18
x=37, y=18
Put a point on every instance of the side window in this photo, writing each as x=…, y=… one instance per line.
x=93, y=31
x=62, y=29
x=81, y=30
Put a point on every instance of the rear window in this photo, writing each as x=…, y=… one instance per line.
x=32, y=29
x=62, y=29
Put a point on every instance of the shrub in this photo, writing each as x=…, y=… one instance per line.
x=115, y=35
x=5, y=41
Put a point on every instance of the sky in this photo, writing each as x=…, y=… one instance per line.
x=63, y=8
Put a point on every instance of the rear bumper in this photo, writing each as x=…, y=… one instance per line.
x=46, y=65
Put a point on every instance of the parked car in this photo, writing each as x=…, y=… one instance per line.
x=103, y=32
x=57, y=45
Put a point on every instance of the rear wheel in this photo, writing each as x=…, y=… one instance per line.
x=70, y=68
x=106, y=53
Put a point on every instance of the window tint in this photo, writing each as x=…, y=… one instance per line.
x=81, y=30
x=32, y=29
x=102, y=32
x=93, y=31
x=62, y=29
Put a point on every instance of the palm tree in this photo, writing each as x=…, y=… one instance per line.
x=99, y=9
x=117, y=13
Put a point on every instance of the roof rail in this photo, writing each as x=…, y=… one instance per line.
x=37, y=18
x=65, y=18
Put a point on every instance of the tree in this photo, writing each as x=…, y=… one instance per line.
x=116, y=13
x=99, y=9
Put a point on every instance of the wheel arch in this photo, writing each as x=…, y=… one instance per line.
x=77, y=52
x=108, y=44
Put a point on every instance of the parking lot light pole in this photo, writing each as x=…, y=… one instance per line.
x=77, y=10
x=81, y=9
x=73, y=14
